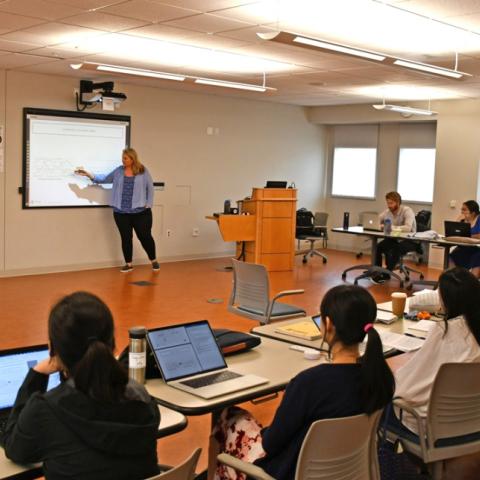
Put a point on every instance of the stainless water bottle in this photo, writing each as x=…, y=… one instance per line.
x=137, y=354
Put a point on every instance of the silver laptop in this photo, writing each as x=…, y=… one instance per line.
x=190, y=359
x=371, y=221
x=14, y=366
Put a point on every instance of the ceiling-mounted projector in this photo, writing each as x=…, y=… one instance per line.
x=95, y=93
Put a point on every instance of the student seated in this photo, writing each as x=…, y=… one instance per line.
x=402, y=217
x=469, y=257
x=97, y=424
x=347, y=386
x=456, y=339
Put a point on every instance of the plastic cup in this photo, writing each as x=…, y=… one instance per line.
x=399, y=300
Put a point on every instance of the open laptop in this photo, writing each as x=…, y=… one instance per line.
x=371, y=221
x=457, y=229
x=14, y=366
x=187, y=354
x=276, y=184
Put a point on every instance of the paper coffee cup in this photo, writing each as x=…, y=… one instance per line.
x=399, y=300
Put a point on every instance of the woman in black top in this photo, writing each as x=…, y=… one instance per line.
x=347, y=386
x=97, y=424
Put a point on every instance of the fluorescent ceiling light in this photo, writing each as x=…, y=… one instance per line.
x=227, y=84
x=402, y=109
x=423, y=67
x=340, y=48
x=140, y=72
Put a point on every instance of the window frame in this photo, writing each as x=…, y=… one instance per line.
x=354, y=197
x=407, y=200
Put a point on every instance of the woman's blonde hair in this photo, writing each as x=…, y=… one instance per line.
x=137, y=166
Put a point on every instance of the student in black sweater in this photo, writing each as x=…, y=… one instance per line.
x=349, y=385
x=95, y=425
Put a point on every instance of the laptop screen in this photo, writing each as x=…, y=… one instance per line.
x=14, y=366
x=185, y=350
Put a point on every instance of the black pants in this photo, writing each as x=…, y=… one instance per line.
x=142, y=224
x=393, y=250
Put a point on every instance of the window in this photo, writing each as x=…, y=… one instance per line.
x=354, y=172
x=416, y=172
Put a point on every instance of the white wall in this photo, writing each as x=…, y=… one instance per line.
x=257, y=141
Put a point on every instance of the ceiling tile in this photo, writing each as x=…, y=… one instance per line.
x=470, y=22
x=208, y=23
x=259, y=13
x=55, y=52
x=10, y=46
x=38, y=8
x=10, y=22
x=51, y=34
x=13, y=60
x=206, y=40
x=441, y=8
x=206, y=5
x=87, y=5
x=248, y=34
x=103, y=21
x=148, y=11
x=161, y=32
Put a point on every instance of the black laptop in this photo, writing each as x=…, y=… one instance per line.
x=14, y=366
x=457, y=229
x=276, y=184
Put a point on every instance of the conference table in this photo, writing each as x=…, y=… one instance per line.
x=171, y=421
x=375, y=236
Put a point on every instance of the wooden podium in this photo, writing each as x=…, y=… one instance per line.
x=265, y=231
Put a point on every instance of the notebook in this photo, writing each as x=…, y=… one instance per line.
x=371, y=221
x=14, y=366
x=187, y=354
x=305, y=329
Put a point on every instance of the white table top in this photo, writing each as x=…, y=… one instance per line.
x=271, y=359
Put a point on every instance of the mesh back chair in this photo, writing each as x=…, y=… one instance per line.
x=319, y=232
x=452, y=426
x=184, y=471
x=334, y=449
x=251, y=295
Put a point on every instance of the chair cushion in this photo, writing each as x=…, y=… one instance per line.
x=279, y=309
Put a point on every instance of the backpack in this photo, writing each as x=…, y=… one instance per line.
x=304, y=222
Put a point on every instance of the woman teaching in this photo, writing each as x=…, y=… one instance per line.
x=132, y=199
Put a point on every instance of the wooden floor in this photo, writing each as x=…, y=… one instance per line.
x=180, y=293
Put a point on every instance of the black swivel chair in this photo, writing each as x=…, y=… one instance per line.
x=311, y=229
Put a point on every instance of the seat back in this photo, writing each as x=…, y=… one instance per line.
x=250, y=287
x=423, y=220
x=340, y=449
x=454, y=408
x=320, y=219
x=184, y=471
x=304, y=223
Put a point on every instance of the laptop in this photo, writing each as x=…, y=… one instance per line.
x=276, y=184
x=457, y=229
x=14, y=366
x=371, y=221
x=190, y=359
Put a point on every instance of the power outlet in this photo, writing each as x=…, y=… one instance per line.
x=195, y=232
x=169, y=232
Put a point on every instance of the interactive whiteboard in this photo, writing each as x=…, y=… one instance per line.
x=56, y=143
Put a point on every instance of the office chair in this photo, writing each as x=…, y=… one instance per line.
x=250, y=295
x=334, y=449
x=184, y=471
x=452, y=426
x=319, y=231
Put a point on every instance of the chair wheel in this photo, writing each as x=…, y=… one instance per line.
x=407, y=278
x=304, y=260
x=324, y=260
x=401, y=284
x=355, y=282
x=344, y=276
x=359, y=255
x=409, y=287
x=422, y=276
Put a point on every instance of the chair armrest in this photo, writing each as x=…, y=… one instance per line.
x=409, y=407
x=285, y=293
x=245, y=467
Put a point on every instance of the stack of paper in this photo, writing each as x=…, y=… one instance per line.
x=401, y=342
x=305, y=329
x=386, y=317
x=421, y=328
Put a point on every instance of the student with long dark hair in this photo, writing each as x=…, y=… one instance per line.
x=347, y=386
x=456, y=339
x=97, y=424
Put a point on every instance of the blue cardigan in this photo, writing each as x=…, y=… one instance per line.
x=142, y=188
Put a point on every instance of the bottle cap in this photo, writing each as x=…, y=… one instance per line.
x=137, y=332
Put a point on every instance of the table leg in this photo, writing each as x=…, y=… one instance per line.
x=446, y=256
